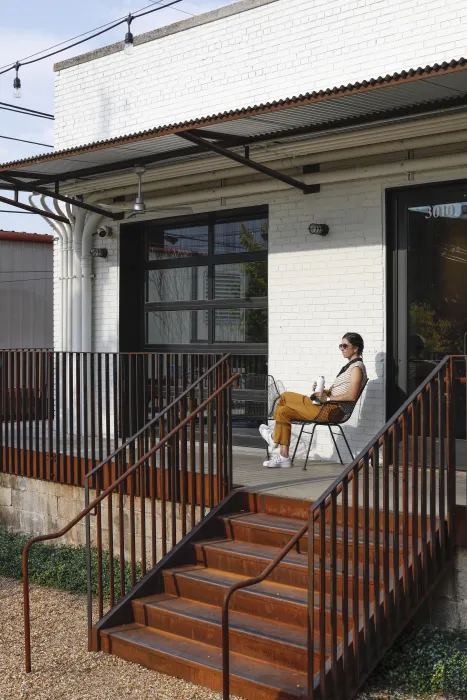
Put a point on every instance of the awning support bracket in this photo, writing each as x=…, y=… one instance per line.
x=34, y=210
x=216, y=148
x=24, y=187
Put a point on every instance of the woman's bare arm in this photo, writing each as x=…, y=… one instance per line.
x=356, y=379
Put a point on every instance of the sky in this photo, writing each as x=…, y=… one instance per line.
x=29, y=27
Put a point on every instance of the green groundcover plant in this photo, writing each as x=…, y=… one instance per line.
x=57, y=566
x=425, y=662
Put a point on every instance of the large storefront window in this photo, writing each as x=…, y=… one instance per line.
x=206, y=282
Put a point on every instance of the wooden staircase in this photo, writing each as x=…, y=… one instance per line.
x=177, y=630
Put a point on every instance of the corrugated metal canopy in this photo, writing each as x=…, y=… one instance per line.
x=402, y=94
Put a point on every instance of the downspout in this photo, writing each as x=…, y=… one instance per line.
x=59, y=232
x=69, y=268
x=64, y=305
x=78, y=227
x=90, y=227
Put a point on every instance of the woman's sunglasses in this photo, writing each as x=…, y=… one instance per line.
x=343, y=346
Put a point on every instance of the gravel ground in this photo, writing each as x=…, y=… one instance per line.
x=62, y=668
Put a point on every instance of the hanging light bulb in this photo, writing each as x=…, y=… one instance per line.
x=129, y=46
x=17, y=82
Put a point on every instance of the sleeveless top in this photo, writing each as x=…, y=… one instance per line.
x=341, y=384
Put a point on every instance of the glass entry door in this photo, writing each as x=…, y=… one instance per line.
x=428, y=232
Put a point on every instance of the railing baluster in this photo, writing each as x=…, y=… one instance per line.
x=201, y=443
x=366, y=560
x=355, y=580
x=322, y=598
x=423, y=492
x=63, y=471
x=183, y=453
x=311, y=626
x=210, y=448
x=38, y=391
x=451, y=454
x=405, y=516
x=432, y=441
x=79, y=470
x=18, y=393
x=345, y=572
x=72, y=473
x=333, y=533
x=6, y=391
x=51, y=469
x=191, y=406
x=396, y=523
x=376, y=552
x=386, y=545
x=442, y=390
x=415, y=482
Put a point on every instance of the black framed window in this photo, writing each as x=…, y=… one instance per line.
x=205, y=282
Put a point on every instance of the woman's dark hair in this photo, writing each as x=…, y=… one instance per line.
x=356, y=340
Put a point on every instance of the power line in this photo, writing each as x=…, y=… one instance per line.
x=36, y=143
x=27, y=110
x=29, y=279
x=7, y=211
x=23, y=272
x=106, y=28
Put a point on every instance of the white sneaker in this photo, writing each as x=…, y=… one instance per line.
x=278, y=462
x=266, y=433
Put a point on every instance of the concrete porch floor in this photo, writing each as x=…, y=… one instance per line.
x=248, y=471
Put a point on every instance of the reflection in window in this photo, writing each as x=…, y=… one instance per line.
x=241, y=236
x=178, y=242
x=240, y=325
x=179, y=327
x=241, y=280
x=176, y=284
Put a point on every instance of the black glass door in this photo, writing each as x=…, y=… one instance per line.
x=428, y=261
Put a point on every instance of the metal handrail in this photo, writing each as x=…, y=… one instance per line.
x=336, y=487
x=110, y=489
x=155, y=418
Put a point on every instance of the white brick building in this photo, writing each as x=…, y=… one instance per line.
x=406, y=133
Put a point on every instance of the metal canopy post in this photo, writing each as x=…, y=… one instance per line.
x=24, y=187
x=34, y=210
x=306, y=189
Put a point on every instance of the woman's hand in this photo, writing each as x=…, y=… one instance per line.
x=313, y=388
x=323, y=397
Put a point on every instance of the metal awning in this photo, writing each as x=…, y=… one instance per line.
x=405, y=94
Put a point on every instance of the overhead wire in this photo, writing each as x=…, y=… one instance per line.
x=35, y=143
x=27, y=110
x=106, y=28
x=29, y=279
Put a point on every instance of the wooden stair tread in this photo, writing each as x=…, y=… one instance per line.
x=241, y=622
x=166, y=646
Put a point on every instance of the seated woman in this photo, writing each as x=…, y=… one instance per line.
x=295, y=407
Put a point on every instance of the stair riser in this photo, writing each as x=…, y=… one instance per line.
x=276, y=538
x=247, y=602
x=262, y=648
x=283, y=573
x=194, y=672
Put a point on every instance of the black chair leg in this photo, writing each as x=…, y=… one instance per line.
x=309, y=447
x=335, y=445
x=346, y=442
x=296, y=444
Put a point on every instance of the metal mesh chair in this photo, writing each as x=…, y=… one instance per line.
x=333, y=414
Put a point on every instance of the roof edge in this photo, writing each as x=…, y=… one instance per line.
x=175, y=28
x=22, y=236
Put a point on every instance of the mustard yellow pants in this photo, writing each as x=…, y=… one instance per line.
x=291, y=407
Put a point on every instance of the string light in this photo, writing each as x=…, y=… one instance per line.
x=129, y=46
x=17, y=82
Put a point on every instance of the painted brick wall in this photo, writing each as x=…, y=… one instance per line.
x=277, y=50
